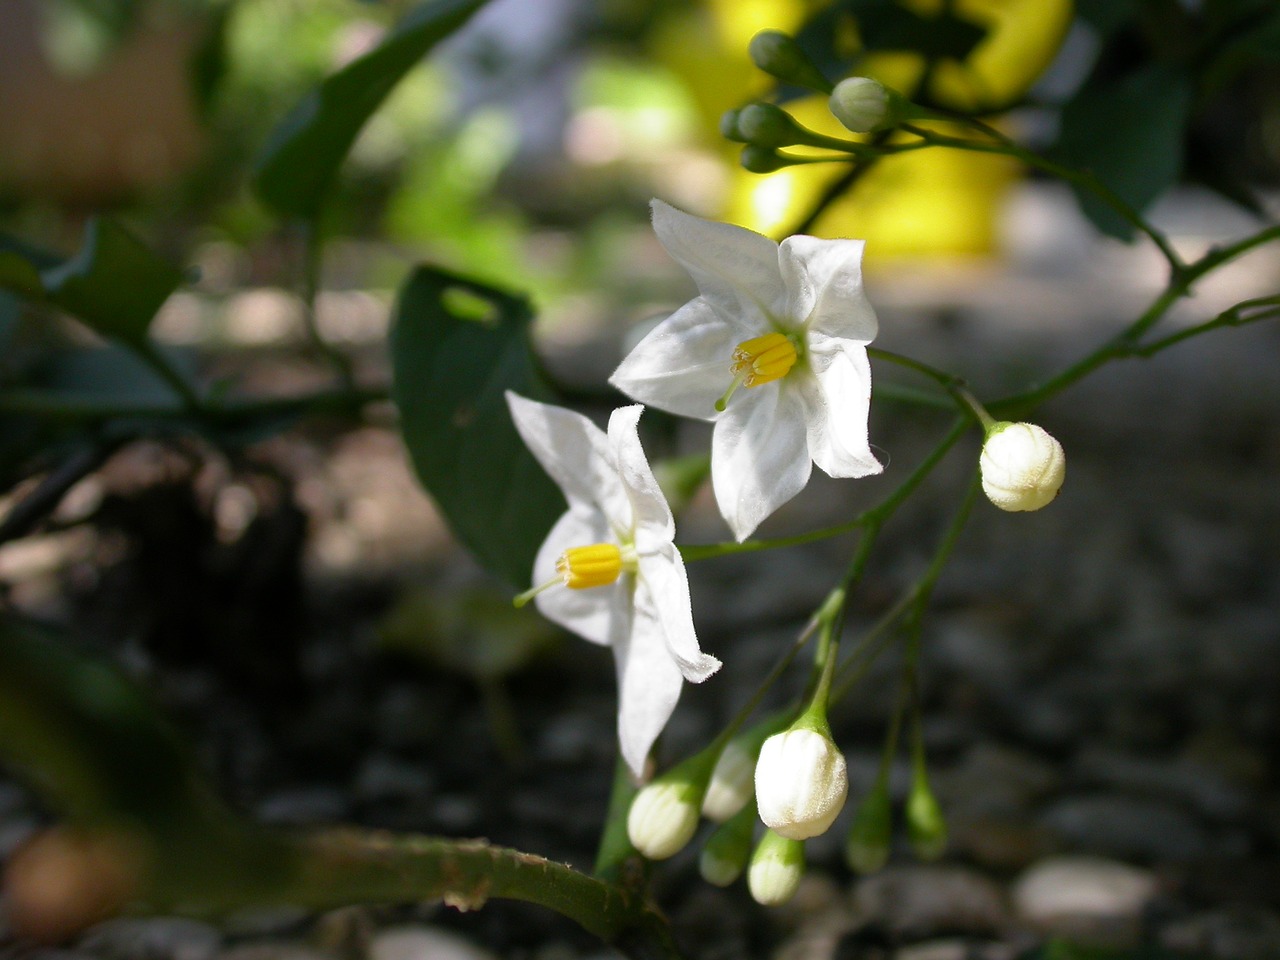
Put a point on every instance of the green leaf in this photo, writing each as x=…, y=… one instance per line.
x=114, y=285
x=451, y=363
x=305, y=150
x=1129, y=132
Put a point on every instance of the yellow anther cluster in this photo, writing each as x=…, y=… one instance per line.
x=763, y=359
x=591, y=566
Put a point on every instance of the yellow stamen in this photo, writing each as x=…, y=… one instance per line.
x=579, y=568
x=593, y=566
x=758, y=361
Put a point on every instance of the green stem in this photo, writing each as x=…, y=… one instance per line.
x=147, y=350
x=312, y=261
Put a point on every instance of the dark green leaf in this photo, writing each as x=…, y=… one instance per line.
x=307, y=147
x=450, y=370
x=114, y=285
x=1129, y=132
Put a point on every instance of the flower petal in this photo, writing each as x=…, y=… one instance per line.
x=663, y=574
x=736, y=269
x=599, y=614
x=653, y=523
x=682, y=364
x=824, y=287
x=759, y=455
x=648, y=683
x=577, y=456
x=837, y=397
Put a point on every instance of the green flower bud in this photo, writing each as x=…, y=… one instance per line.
x=925, y=826
x=767, y=125
x=867, y=848
x=778, y=55
x=776, y=868
x=728, y=849
x=729, y=126
x=759, y=159
x=801, y=783
x=1022, y=465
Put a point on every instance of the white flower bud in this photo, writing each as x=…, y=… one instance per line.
x=801, y=783
x=663, y=818
x=731, y=781
x=860, y=104
x=776, y=868
x=1023, y=466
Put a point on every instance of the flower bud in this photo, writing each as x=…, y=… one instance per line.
x=776, y=868
x=729, y=126
x=664, y=816
x=767, y=125
x=867, y=848
x=801, y=783
x=861, y=104
x=778, y=55
x=925, y=826
x=759, y=159
x=1023, y=466
x=728, y=849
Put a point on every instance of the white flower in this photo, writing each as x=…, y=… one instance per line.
x=1022, y=465
x=609, y=570
x=790, y=324
x=801, y=783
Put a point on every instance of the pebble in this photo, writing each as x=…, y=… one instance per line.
x=423, y=943
x=1241, y=933
x=1189, y=779
x=304, y=806
x=914, y=901
x=153, y=938
x=1082, y=896
x=1126, y=827
x=272, y=950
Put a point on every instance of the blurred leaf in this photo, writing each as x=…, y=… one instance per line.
x=307, y=147
x=476, y=632
x=1106, y=16
x=450, y=370
x=1129, y=132
x=209, y=60
x=114, y=285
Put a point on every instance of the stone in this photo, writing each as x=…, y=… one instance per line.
x=1118, y=825
x=917, y=901
x=1086, y=897
x=151, y=938
x=423, y=943
x=1233, y=933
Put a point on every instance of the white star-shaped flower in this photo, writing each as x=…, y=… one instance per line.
x=609, y=570
x=789, y=324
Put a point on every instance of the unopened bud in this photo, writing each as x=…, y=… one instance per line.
x=776, y=868
x=728, y=849
x=862, y=105
x=767, y=125
x=759, y=159
x=729, y=126
x=778, y=55
x=663, y=817
x=801, y=783
x=1023, y=466
x=867, y=848
x=925, y=826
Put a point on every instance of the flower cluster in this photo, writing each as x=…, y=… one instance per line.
x=773, y=352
